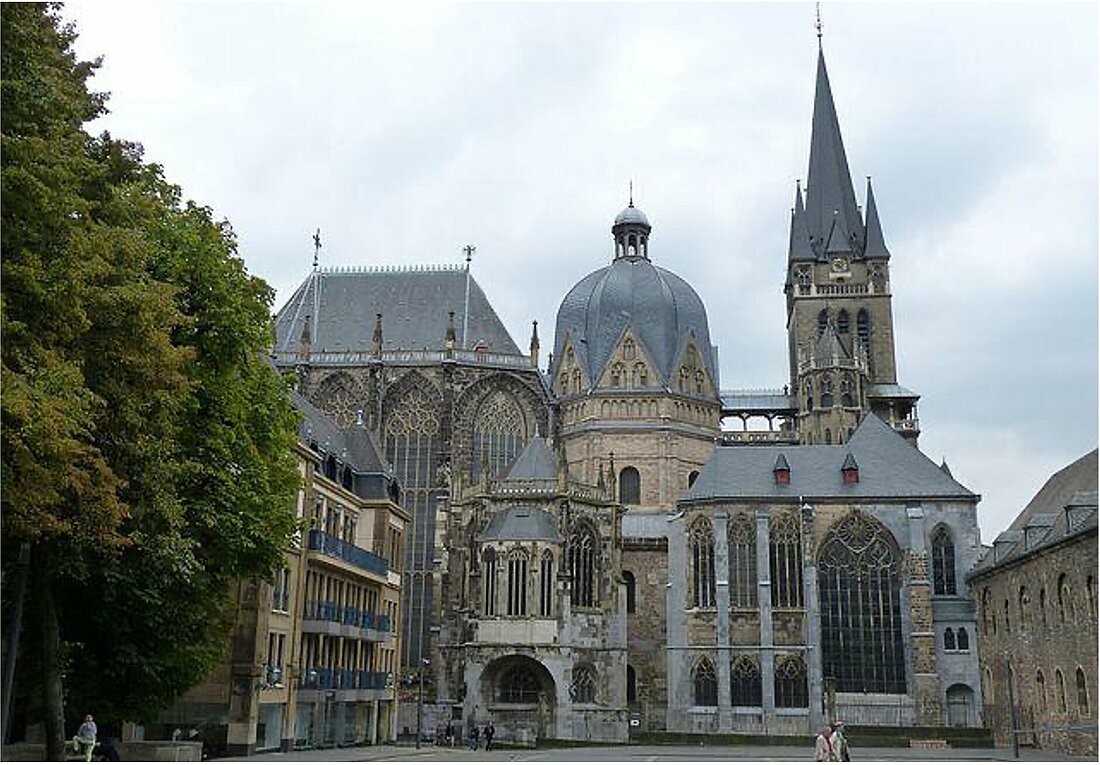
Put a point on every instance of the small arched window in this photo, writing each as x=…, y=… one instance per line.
x=846, y=387
x=630, y=486
x=701, y=541
x=746, y=688
x=584, y=684
x=628, y=579
x=949, y=640
x=1043, y=607
x=618, y=376
x=705, y=683
x=1060, y=690
x=943, y=562
x=790, y=683
x=1041, y=690
x=1063, y=599
x=628, y=349
x=1082, y=693
x=631, y=685
x=1024, y=604
x=964, y=639
x=826, y=392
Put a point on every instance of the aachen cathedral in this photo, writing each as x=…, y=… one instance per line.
x=590, y=548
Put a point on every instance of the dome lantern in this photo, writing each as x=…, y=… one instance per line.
x=631, y=232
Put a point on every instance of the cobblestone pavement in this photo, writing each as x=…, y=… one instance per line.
x=671, y=753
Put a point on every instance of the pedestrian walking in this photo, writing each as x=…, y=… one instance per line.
x=823, y=747
x=839, y=743
x=474, y=735
x=84, y=740
x=449, y=734
x=490, y=731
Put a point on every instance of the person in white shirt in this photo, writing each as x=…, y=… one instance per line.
x=839, y=743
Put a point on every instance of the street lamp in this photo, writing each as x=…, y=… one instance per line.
x=425, y=663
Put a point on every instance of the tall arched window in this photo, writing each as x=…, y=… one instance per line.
x=1008, y=623
x=1024, y=604
x=1043, y=607
x=790, y=683
x=631, y=685
x=546, y=584
x=742, y=560
x=964, y=639
x=1060, y=690
x=631, y=594
x=1063, y=599
x=785, y=559
x=843, y=325
x=583, y=546
x=826, y=392
x=863, y=332
x=499, y=433
x=949, y=639
x=630, y=486
x=943, y=563
x=859, y=582
x=489, y=574
x=846, y=388
x=1082, y=693
x=705, y=683
x=584, y=684
x=701, y=542
x=517, y=583
x=1041, y=690
x=745, y=684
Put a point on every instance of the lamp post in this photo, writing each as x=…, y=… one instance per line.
x=424, y=664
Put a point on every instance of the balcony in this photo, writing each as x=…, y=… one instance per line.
x=347, y=552
x=330, y=618
x=343, y=684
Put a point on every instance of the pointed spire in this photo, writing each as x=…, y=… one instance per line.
x=534, y=344
x=830, y=197
x=800, y=235
x=876, y=245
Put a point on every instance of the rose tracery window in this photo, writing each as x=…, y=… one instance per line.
x=500, y=432
x=338, y=402
x=859, y=581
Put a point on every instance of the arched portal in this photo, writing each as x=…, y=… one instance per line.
x=960, y=705
x=518, y=694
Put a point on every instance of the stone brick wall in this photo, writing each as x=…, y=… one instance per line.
x=646, y=628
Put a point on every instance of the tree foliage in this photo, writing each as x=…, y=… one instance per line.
x=147, y=444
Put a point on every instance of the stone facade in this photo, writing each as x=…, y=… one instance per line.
x=1036, y=586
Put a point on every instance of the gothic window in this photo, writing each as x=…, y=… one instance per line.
x=826, y=392
x=641, y=376
x=964, y=639
x=685, y=377
x=790, y=683
x=699, y=380
x=564, y=382
x=1041, y=690
x=628, y=349
x=517, y=583
x=1063, y=598
x=785, y=559
x=630, y=486
x=546, y=584
x=859, y=580
x=949, y=640
x=863, y=331
x=846, y=398
x=1043, y=607
x=618, y=375
x=631, y=685
x=1025, y=609
x=583, y=547
x=943, y=563
x=628, y=579
x=338, y=401
x=989, y=619
x=576, y=381
x=742, y=561
x=1060, y=690
x=1008, y=623
x=584, y=684
x=802, y=274
x=411, y=437
x=745, y=684
x=822, y=322
x=500, y=431
x=519, y=685
x=701, y=542
x=1082, y=693
x=705, y=683
x=842, y=322
x=489, y=572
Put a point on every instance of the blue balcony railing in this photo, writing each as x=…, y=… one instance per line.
x=327, y=679
x=328, y=611
x=346, y=551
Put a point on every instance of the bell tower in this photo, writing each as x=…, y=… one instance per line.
x=840, y=325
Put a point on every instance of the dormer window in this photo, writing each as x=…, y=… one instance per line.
x=850, y=470
x=782, y=471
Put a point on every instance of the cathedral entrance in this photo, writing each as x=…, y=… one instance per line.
x=519, y=695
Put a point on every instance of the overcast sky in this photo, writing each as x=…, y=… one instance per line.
x=407, y=131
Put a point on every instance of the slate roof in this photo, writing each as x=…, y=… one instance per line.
x=876, y=245
x=890, y=390
x=536, y=461
x=521, y=524
x=1064, y=507
x=414, y=304
x=889, y=468
x=660, y=307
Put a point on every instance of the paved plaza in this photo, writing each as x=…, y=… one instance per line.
x=670, y=753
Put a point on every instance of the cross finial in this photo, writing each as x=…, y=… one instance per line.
x=316, y=247
x=631, y=192
x=817, y=24
x=469, y=250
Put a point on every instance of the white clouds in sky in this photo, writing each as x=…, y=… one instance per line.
x=407, y=130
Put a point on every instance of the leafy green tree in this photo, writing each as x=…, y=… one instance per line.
x=146, y=444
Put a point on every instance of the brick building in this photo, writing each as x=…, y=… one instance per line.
x=1036, y=586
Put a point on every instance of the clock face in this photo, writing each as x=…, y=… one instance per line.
x=840, y=264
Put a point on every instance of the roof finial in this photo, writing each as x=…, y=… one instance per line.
x=316, y=248
x=817, y=24
x=631, y=193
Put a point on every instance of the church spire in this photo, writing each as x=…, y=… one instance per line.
x=800, y=236
x=876, y=245
x=832, y=216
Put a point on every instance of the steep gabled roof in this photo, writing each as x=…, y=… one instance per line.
x=536, y=461
x=521, y=524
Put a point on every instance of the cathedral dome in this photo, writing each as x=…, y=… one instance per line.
x=662, y=310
